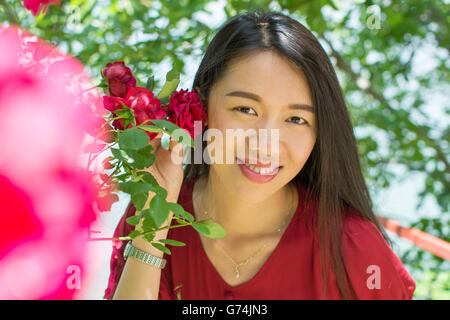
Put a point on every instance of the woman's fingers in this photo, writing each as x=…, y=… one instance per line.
x=176, y=147
x=156, y=142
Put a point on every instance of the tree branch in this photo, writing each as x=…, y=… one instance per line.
x=343, y=65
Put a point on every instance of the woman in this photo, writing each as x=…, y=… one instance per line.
x=303, y=230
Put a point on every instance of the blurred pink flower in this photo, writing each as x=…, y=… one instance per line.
x=47, y=199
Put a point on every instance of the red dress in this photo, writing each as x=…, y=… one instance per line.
x=292, y=271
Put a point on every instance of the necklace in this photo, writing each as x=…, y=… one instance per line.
x=240, y=264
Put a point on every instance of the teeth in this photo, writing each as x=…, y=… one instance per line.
x=253, y=168
x=266, y=170
x=260, y=170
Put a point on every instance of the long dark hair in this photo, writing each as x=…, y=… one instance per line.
x=332, y=173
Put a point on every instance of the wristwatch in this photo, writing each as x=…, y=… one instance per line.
x=143, y=256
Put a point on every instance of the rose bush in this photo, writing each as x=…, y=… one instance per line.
x=137, y=116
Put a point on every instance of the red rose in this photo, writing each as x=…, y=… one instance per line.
x=112, y=104
x=119, y=78
x=145, y=106
x=143, y=103
x=184, y=108
x=38, y=5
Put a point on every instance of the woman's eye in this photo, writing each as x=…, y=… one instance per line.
x=299, y=120
x=245, y=109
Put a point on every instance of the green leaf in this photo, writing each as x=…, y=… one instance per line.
x=127, y=114
x=139, y=199
x=161, y=192
x=173, y=130
x=151, y=128
x=210, y=229
x=179, y=211
x=148, y=224
x=131, y=116
x=201, y=228
x=131, y=187
x=165, y=100
x=133, y=234
x=149, y=237
x=172, y=81
x=336, y=4
x=161, y=248
x=146, y=213
x=120, y=155
x=150, y=83
x=172, y=242
x=133, y=139
x=133, y=220
x=148, y=177
x=140, y=159
x=160, y=210
x=164, y=124
x=179, y=291
x=122, y=177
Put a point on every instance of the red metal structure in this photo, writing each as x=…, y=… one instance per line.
x=427, y=242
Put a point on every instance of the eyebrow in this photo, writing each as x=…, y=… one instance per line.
x=252, y=96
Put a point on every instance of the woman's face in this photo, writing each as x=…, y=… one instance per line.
x=278, y=83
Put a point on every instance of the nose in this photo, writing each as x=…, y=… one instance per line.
x=264, y=146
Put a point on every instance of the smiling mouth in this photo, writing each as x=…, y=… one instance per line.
x=259, y=169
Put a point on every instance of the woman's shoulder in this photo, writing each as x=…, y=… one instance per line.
x=373, y=267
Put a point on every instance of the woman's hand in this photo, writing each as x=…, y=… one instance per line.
x=167, y=173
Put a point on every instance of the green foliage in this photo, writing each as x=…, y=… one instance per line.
x=133, y=139
x=172, y=81
x=210, y=229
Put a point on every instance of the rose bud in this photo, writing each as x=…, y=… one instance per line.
x=119, y=77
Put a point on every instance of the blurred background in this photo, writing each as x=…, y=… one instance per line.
x=392, y=60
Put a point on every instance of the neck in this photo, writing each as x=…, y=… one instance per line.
x=240, y=218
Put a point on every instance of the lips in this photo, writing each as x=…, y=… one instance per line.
x=266, y=173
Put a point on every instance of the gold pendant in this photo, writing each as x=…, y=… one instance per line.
x=236, y=273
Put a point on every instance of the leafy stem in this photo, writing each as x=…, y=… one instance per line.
x=10, y=13
x=159, y=229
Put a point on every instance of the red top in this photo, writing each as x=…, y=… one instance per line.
x=291, y=272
